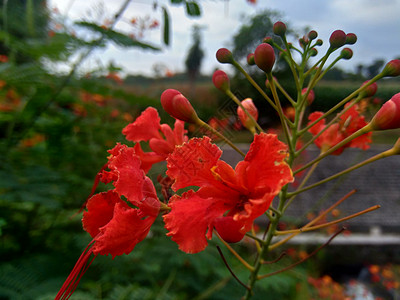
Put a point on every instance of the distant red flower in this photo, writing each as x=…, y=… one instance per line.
x=115, y=226
x=162, y=139
x=243, y=193
x=348, y=123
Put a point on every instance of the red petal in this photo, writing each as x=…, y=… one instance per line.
x=126, y=229
x=148, y=159
x=130, y=176
x=145, y=127
x=100, y=211
x=191, y=163
x=190, y=218
x=267, y=151
x=314, y=130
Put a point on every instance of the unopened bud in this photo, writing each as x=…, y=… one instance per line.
x=264, y=57
x=337, y=39
x=351, y=38
x=228, y=229
x=302, y=42
x=319, y=42
x=250, y=59
x=310, y=96
x=279, y=28
x=346, y=53
x=177, y=106
x=224, y=56
x=388, y=117
x=370, y=90
x=251, y=109
x=313, y=52
x=392, y=68
x=221, y=81
x=312, y=35
x=268, y=40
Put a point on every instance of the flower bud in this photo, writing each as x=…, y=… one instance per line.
x=251, y=109
x=310, y=96
x=388, y=117
x=312, y=35
x=250, y=59
x=370, y=90
x=221, y=81
x=228, y=229
x=264, y=57
x=351, y=38
x=268, y=40
x=319, y=42
x=177, y=106
x=346, y=53
x=224, y=56
x=313, y=52
x=337, y=39
x=279, y=28
x=392, y=68
x=302, y=42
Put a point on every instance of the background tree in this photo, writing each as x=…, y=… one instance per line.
x=195, y=56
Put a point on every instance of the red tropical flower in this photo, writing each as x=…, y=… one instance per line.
x=243, y=193
x=162, y=139
x=115, y=226
x=348, y=123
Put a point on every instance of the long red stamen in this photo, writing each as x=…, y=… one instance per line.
x=83, y=263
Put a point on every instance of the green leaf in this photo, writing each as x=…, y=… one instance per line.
x=193, y=9
x=116, y=37
x=166, y=26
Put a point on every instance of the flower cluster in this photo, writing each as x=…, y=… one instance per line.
x=212, y=197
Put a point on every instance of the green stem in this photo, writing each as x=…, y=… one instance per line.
x=367, y=128
x=254, y=84
x=225, y=139
x=384, y=154
x=237, y=101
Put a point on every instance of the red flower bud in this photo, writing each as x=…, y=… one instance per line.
x=319, y=42
x=221, y=80
x=279, y=28
x=312, y=35
x=251, y=109
x=346, y=53
x=313, y=52
x=177, y=106
x=250, y=59
x=388, y=117
x=264, y=57
x=337, y=39
x=228, y=229
x=392, y=68
x=224, y=56
x=268, y=40
x=351, y=38
x=310, y=96
x=370, y=90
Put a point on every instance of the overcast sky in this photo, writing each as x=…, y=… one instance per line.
x=376, y=23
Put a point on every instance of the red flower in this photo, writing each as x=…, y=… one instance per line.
x=162, y=139
x=349, y=122
x=243, y=193
x=115, y=226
